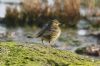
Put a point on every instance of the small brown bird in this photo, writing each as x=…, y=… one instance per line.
x=50, y=32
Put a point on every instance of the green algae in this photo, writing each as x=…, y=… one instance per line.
x=15, y=54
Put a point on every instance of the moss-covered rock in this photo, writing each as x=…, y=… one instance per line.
x=14, y=54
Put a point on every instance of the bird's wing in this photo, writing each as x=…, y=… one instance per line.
x=46, y=26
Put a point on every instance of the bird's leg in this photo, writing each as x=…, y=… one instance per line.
x=53, y=42
x=42, y=41
x=49, y=44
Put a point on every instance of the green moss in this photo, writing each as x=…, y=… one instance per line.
x=13, y=54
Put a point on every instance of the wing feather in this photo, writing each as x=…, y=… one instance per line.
x=41, y=32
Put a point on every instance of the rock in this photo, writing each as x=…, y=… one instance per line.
x=29, y=36
x=93, y=50
x=96, y=35
x=82, y=32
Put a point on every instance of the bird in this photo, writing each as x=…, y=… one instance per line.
x=50, y=32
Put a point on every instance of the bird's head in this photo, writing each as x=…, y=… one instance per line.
x=55, y=22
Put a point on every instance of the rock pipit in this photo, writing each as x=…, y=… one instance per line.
x=50, y=32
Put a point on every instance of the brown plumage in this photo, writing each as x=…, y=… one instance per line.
x=50, y=32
